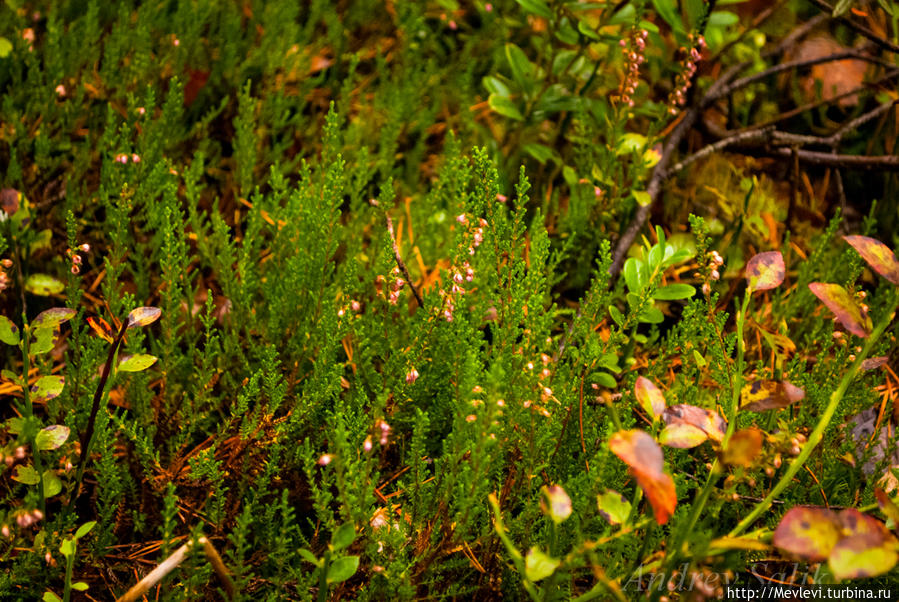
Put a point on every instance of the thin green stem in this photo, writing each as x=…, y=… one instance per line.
x=818, y=434
x=29, y=407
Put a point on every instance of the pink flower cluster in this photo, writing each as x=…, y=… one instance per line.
x=5, y=264
x=678, y=96
x=75, y=257
x=464, y=273
x=124, y=158
x=634, y=49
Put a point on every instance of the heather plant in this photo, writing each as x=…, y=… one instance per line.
x=358, y=301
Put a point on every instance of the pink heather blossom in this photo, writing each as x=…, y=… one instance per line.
x=411, y=376
x=502, y=198
x=135, y=158
x=461, y=218
x=60, y=90
x=20, y=453
x=355, y=306
x=176, y=42
x=325, y=459
x=367, y=444
x=488, y=7
x=121, y=158
x=4, y=531
x=471, y=418
x=141, y=111
x=452, y=25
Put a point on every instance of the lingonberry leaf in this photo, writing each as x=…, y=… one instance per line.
x=879, y=256
x=843, y=306
x=765, y=271
x=53, y=317
x=743, y=447
x=43, y=285
x=538, y=565
x=761, y=395
x=887, y=506
x=643, y=456
x=649, y=397
x=143, y=316
x=866, y=548
x=807, y=533
x=709, y=422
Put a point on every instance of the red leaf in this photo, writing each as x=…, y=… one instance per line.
x=879, y=256
x=761, y=395
x=843, y=306
x=643, y=455
x=709, y=422
x=765, y=271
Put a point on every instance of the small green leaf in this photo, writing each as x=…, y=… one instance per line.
x=841, y=8
x=642, y=197
x=51, y=437
x=309, y=557
x=522, y=68
x=67, y=547
x=48, y=596
x=43, y=341
x=53, y=317
x=631, y=273
x=9, y=332
x=605, y=379
x=652, y=315
x=504, y=106
x=85, y=529
x=5, y=49
x=80, y=586
x=136, y=362
x=47, y=387
x=536, y=7
x=26, y=475
x=674, y=292
x=616, y=315
x=52, y=484
x=343, y=537
x=650, y=397
x=540, y=152
x=342, y=569
x=43, y=285
x=538, y=565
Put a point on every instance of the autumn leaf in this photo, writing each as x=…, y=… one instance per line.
x=761, y=395
x=709, y=422
x=843, y=306
x=643, y=456
x=807, y=533
x=650, y=397
x=682, y=435
x=765, y=271
x=743, y=448
x=879, y=256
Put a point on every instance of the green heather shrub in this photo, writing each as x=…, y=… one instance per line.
x=320, y=301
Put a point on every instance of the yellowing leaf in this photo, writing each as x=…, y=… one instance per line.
x=879, y=256
x=843, y=306
x=807, y=533
x=761, y=395
x=650, y=397
x=51, y=437
x=682, y=435
x=765, y=271
x=743, y=448
x=538, y=565
x=143, y=316
x=101, y=328
x=613, y=507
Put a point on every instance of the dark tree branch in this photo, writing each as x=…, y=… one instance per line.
x=860, y=29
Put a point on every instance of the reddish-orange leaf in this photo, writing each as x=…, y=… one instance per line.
x=743, y=448
x=650, y=397
x=807, y=533
x=866, y=548
x=101, y=328
x=643, y=456
x=765, y=271
x=682, y=435
x=638, y=450
x=879, y=256
x=843, y=306
x=709, y=422
x=761, y=395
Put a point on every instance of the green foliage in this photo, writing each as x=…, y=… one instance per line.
x=333, y=288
